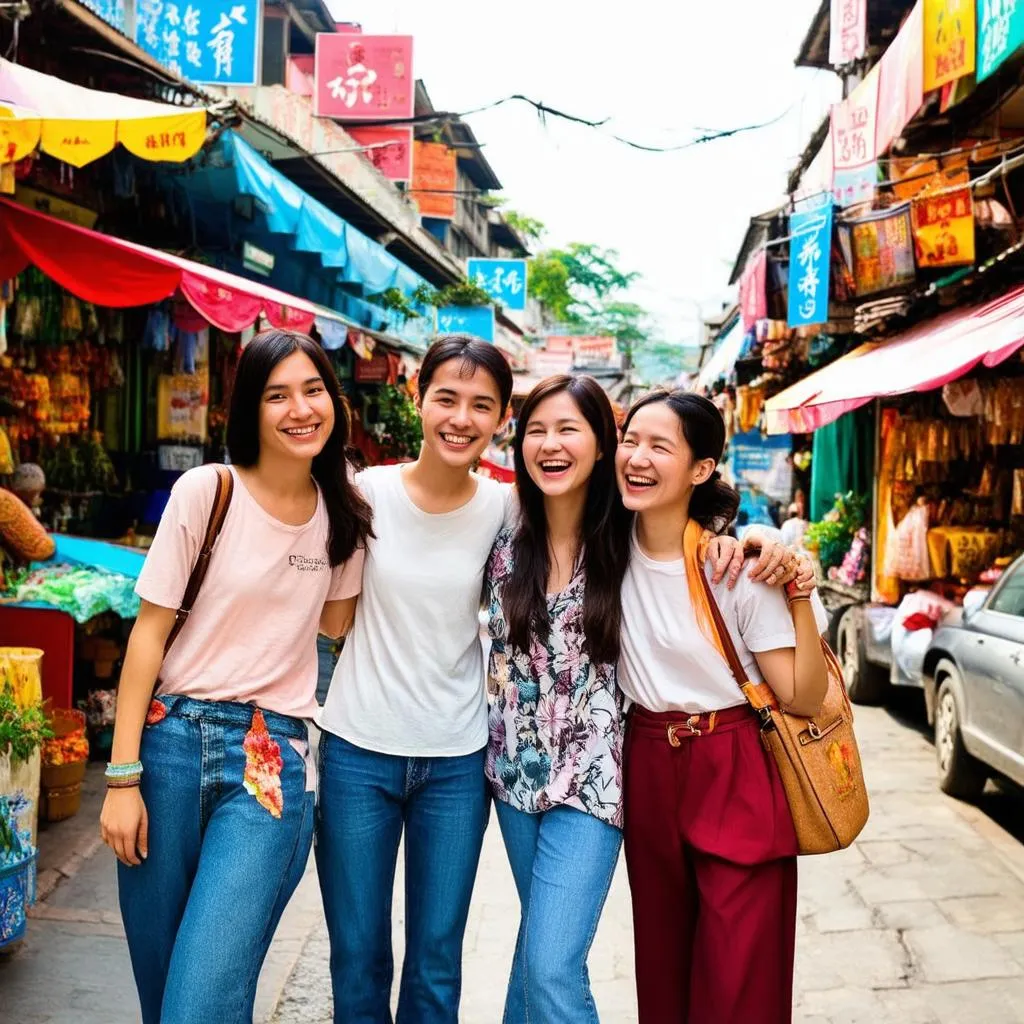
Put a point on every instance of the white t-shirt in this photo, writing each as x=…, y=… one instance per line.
x=666, y=662
x=410, y=678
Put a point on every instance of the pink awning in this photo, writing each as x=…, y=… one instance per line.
x=109, y=271
x=928, y=355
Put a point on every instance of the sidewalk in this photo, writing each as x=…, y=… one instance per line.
x=921, y=923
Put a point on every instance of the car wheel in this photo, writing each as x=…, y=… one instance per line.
x=865, y=683
x=960, y=774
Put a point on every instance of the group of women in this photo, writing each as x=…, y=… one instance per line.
x=609, y=712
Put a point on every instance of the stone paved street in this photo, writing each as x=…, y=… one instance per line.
x=921, y=923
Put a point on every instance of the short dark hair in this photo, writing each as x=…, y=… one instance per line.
x=604, y=532
x=474, y=355
x=713, y=503
x=348, y=512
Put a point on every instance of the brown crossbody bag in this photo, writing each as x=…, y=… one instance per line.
x=218, y=513
x=817, y=757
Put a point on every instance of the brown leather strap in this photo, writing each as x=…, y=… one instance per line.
x=218, y=513
x=760, y=696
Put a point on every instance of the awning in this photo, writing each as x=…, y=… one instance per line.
x=110, y=271
x=930, y=354
x=723, y=359
x=79, y=125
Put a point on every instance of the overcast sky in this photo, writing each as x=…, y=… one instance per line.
x=659, y=71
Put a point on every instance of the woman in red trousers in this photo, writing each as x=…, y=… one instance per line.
x=710, y=846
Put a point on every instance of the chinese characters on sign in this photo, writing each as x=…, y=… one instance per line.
x=363, y=78
x=475, y=320
x=753, y=290
x=944, y=229
x=1000, y=33
x=389, y=149
x=435, y=178
x=853, y=142
x=810, y=251
x=111, y=11
x=212, y=42
x=948, y=41
x=848, y=32
x=900, y=93
x=882, y=251
x=503, y=280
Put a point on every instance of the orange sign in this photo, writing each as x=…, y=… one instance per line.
x=949, y=41
x=435, y=178
x=944, y=229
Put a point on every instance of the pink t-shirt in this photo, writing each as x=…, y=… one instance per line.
x=251, y=636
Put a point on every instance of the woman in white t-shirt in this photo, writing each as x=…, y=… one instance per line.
x=210, y=802
x=710, y=845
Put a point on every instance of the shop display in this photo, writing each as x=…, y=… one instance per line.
x=64, y=760
x=81, y=591
x=17, y=876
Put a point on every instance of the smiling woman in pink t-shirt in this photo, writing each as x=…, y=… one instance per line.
x=210, y=804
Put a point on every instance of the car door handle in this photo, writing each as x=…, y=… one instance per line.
x=980, y=641
x=1015, y=658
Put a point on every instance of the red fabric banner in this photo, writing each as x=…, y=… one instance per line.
x=753, y=290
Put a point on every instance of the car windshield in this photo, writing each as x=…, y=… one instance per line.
x=1010, y=598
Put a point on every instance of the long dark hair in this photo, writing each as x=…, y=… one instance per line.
x=473, y=354
x=604, y=532
x=348, y=513
x=713, y=503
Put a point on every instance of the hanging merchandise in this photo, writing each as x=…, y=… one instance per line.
x=157, y=331
x=944, y=229
x=880, y=248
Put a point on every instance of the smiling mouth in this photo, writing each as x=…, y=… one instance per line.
x=457, y=440
x=301, y=431
x=639, y=482
x=555, y=467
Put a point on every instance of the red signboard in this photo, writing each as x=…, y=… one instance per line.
x=364, y=78
x=435, y=177
x=901, y=80
x=389, y=149
x=753, y=290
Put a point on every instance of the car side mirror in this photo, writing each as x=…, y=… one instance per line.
x=973, y=601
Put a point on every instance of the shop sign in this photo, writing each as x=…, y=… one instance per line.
x=475, y=320
x=754, y=290
x=854, y=122
x=55, y=206
x=944, y=229
x=389, y=149
x=363, y=78
x=210, y=42
x=883, y=251
x=763, y=470
x=848, y=32
x=178, y=458
x=503, y=280
x=1000, y=33
x=182, y=401
x=258, y=260
x=435, y=178
x=901, y=80
x=111, y=11
x=375, y=370
x=949, y=41
x=810, y=249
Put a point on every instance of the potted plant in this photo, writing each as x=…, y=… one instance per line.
x=23, y=728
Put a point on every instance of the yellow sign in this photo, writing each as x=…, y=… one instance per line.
x=183, y=399
x=944, y=229
x=949, y=41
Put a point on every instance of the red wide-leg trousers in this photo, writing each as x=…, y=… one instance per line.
x=711, y=856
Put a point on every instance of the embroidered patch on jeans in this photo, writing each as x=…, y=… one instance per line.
x=157, y=712
x=840, y=757
x=263, y=765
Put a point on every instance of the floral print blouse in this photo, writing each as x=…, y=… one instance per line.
x=556, y=722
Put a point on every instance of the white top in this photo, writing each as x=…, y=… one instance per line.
x=666, y=662
x=251, y=635
x=410, y=679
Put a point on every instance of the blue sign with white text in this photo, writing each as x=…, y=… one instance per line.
x=111, y=11
x=810, y=260
x=475, y=320
x=209, y=42
x=503, y=280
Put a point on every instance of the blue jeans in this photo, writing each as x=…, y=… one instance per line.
x=366, y=799
x=327, y=651
x=562, y=861
x=200, y=911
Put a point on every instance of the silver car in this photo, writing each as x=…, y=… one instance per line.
x=974, y=688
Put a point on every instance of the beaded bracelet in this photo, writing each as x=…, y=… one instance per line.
x=125, y=784
x=123, y=771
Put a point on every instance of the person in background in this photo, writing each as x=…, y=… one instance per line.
x=710, y=844
x=209, y=807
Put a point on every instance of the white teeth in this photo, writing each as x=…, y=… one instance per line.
x=639, y=481
x=554, y=464
x=457, y=438
x=300, y=431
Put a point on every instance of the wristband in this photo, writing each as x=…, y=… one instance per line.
x=125, y=783
x=123, y=771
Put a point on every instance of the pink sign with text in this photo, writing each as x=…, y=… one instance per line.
x=364, y=78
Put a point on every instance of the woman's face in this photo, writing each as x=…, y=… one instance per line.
x=461, y=412
x=559, y=446
x=296, y=412
x=654, y=465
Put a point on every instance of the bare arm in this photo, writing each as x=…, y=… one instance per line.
x=337, y=617
x=798, y=675
x=123, y=821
